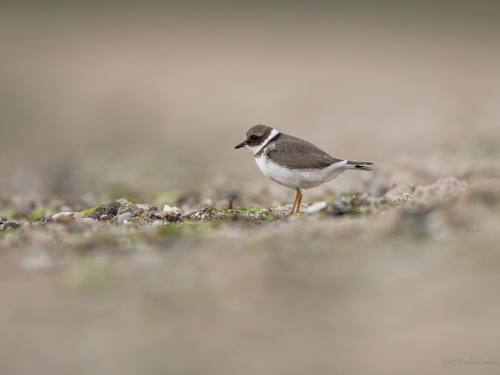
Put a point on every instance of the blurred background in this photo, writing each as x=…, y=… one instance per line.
x=131, y=98
x=105, y=99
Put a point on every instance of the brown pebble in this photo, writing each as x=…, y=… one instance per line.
x=65, y=219
x=159, y=215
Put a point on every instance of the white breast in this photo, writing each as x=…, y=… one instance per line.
x=301, y=178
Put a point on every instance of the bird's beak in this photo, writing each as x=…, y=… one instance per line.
x=242, y=144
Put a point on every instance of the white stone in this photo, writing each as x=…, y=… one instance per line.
x=123, y=217
x=174, y=211
x=316, y=207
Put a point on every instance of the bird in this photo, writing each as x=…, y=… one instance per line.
x=294, y=162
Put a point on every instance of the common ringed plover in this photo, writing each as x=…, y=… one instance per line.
x=293, y=162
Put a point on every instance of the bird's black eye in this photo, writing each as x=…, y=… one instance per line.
x=253, y=137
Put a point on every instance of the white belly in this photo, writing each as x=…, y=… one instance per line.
x=301, y=178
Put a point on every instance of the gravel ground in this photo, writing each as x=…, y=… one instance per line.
x=408, y=277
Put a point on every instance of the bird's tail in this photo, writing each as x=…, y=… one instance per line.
x=361, y=165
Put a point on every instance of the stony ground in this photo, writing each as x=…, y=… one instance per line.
x=127, y=288
x=446, y=206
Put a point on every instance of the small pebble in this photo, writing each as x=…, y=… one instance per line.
x=112, y=208
x=157, y=223
x=316, y=207
x=11, y=224
x=144, y=207
x=174, y=211
x=159, y=215
x=94, y=215
x=60, y=214
x=154, y=208
x=63, y=217
x=106, y=218
x=89, y=220
x=125, y=209
x=339, y=209
x=203, y=216
x=125, y=216
x=101, y=210
x=173, y=218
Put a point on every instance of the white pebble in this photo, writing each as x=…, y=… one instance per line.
x=89, y=220
x=157, y=223
x=123, y=217
x=171, y=210
x=145, y=207
x=316, y=207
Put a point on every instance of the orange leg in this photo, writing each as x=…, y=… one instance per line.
x=296, y=204
x=299, y=202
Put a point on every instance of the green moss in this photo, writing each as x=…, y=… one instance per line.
x=199, y=230
x=249, y=209
x=363, y=211
x=127, y=199
x=39, y=212
x=386, y=201
x=168, y=230
x=5, y=231
x=187, y=229
x=267, y=215
x=89, y=210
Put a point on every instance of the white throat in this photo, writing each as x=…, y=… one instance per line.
x=255, y=149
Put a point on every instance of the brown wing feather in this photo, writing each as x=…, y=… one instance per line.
x=296, y=153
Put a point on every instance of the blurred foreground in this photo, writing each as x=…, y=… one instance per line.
x=396, y=284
